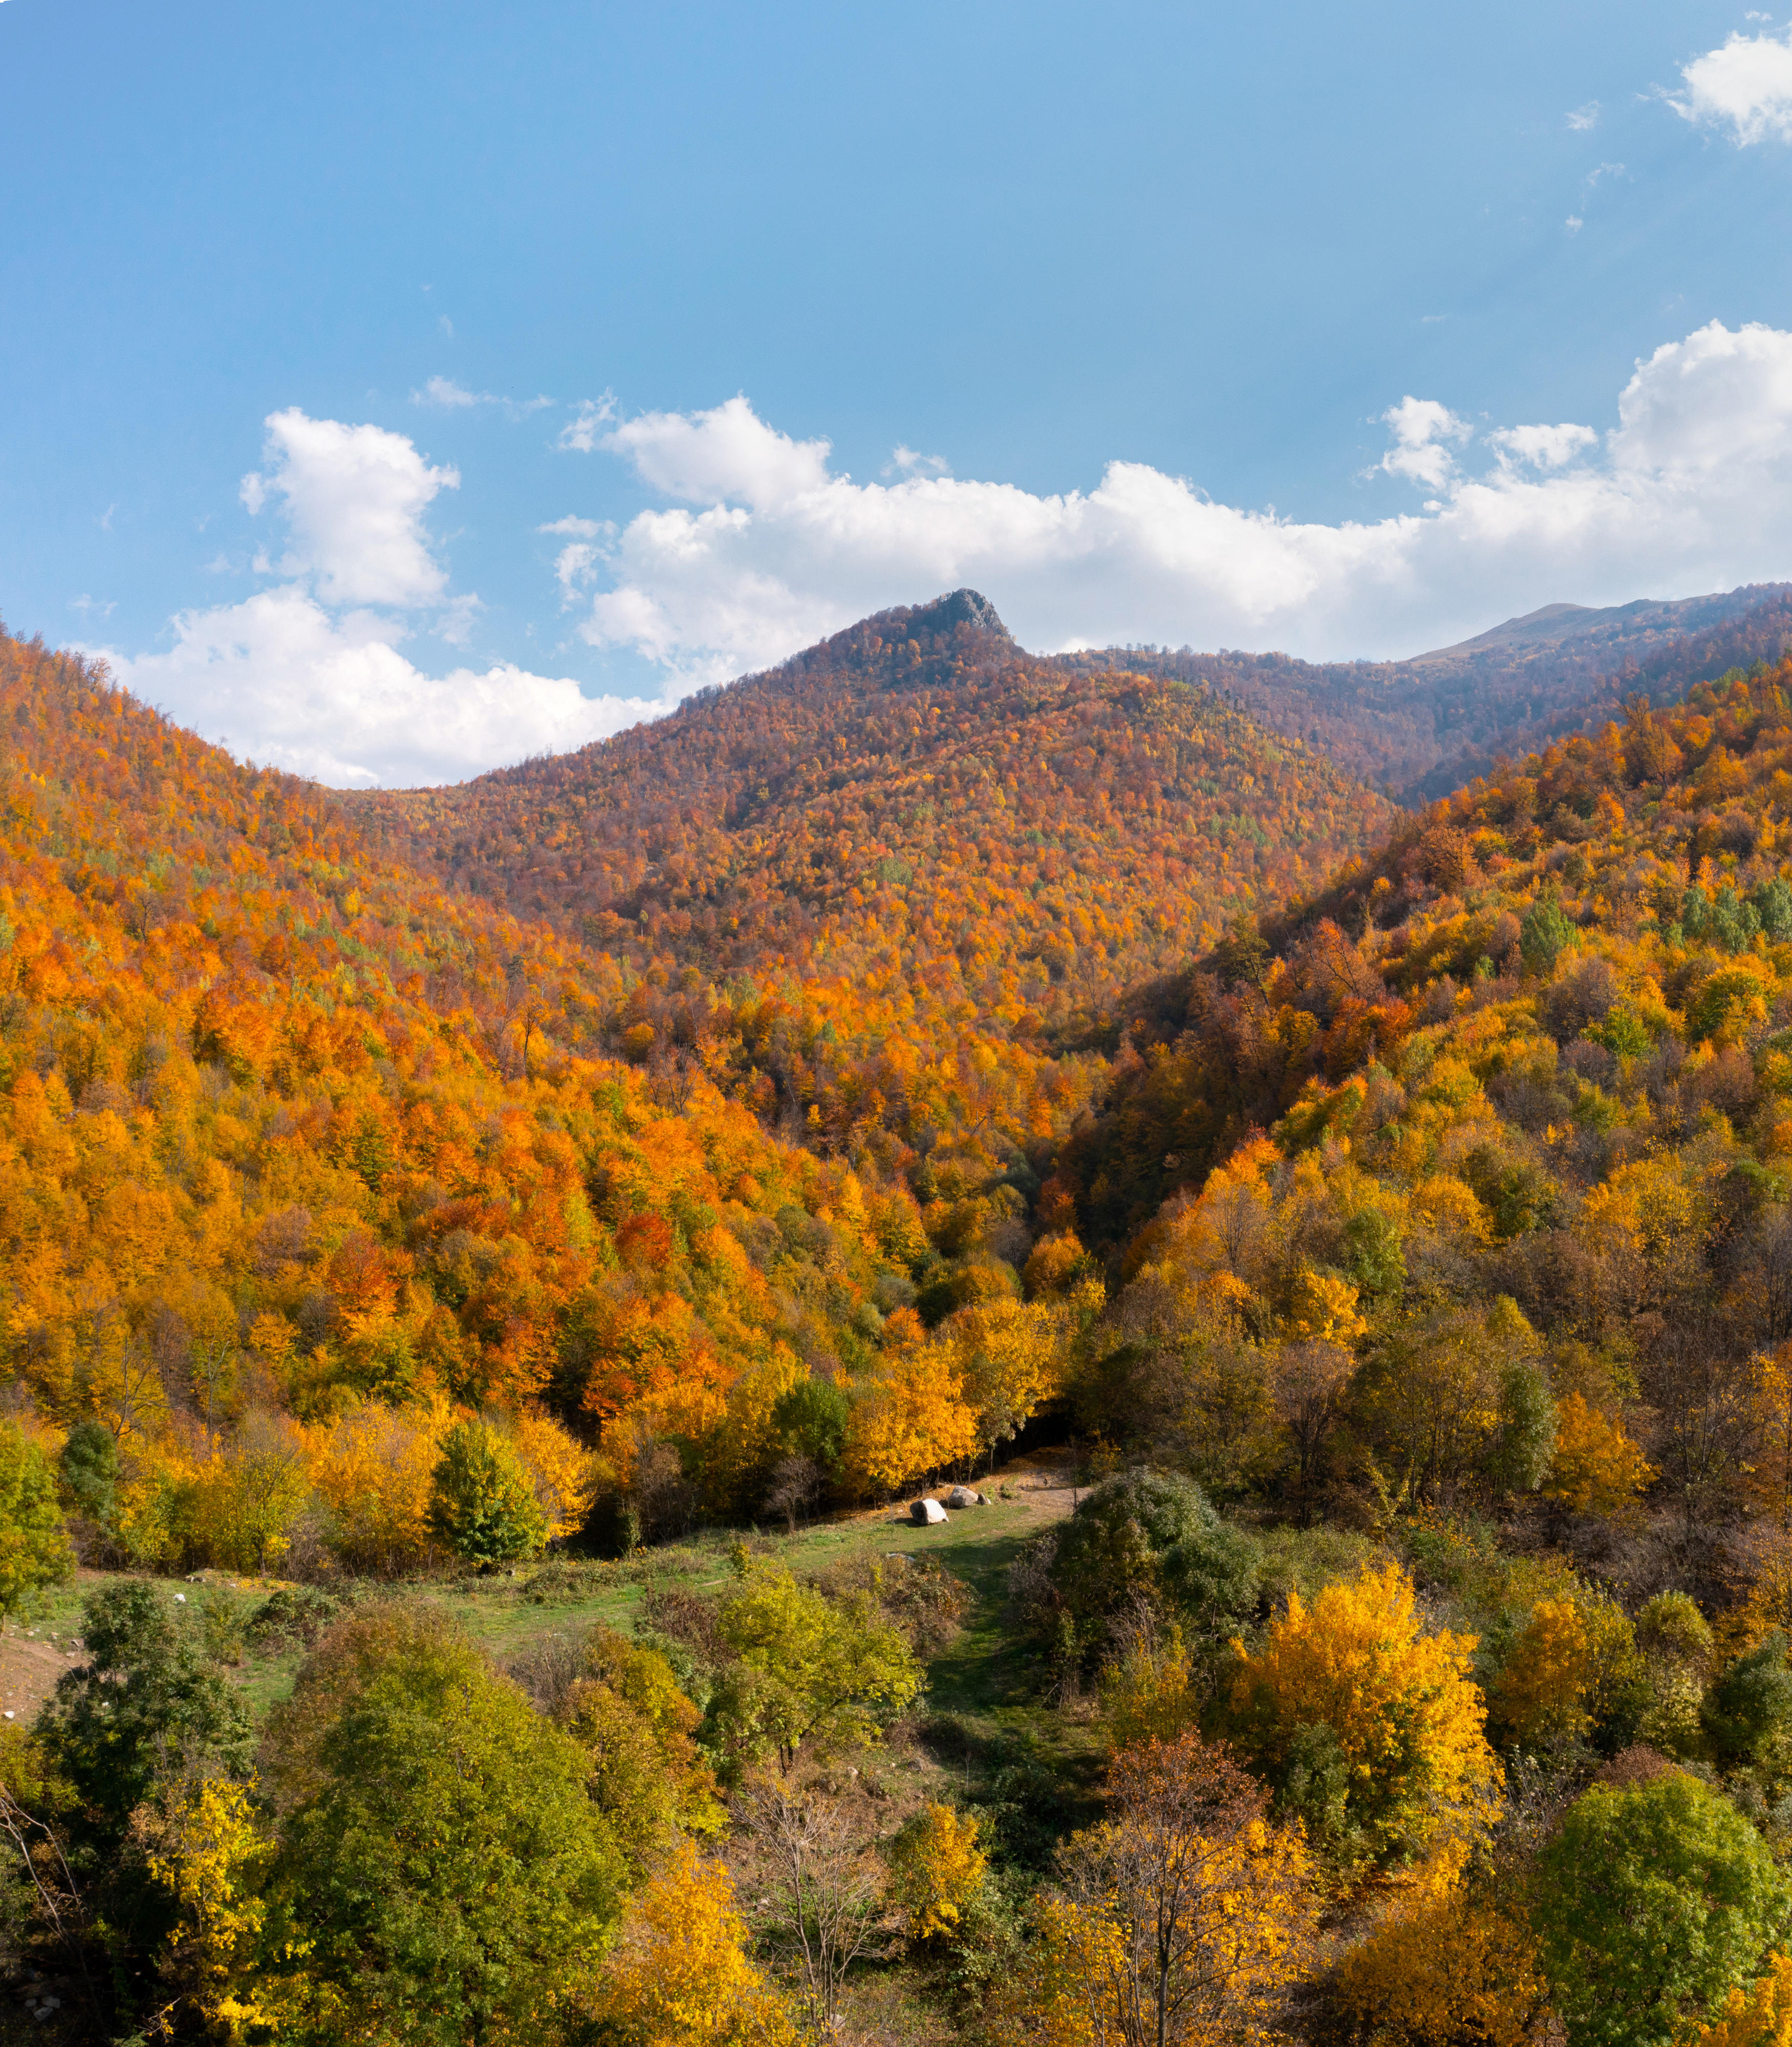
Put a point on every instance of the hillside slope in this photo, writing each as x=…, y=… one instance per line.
x=289, y=1143
x=1542, y=1033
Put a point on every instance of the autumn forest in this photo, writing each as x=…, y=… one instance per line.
x=958, y=1345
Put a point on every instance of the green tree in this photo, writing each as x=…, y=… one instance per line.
x=1545, y=930
x=89, y=1466
x=1751, y=1702
x=806, y=1669
x=481, y=1503
x=34, y=1548
x=1649, y=1904
x=438, y=1848
x=811, y=1420
x=149, y=1703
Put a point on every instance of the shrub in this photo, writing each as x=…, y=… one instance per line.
x=1153, y=1536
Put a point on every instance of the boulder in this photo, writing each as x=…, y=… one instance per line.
x=963, y=1496
x=926, y=1512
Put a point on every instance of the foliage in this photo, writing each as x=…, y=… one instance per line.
x=625, y=1709
x=1441, y=1972
x=1651, y=1904
x=1759, y=2017
x=90, y=1467
x=1596, y=1470
x=1153, y=1535
x=148, y=1700
x=437, y=1845
x=807, y=1669
x=1368, y=1726
x=1181, y=1917
x=1750, y=1701
x=34, y=1547
x=209, y=1852
x=682, y=1976
x=935, y=1866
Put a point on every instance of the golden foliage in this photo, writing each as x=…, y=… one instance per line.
x=681, y=1976
x=1407, y=1720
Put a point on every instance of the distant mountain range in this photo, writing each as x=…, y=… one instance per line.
x=1418, y=728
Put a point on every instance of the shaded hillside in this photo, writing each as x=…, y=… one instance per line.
x=1424, y=726
x=865, y=890
x=1645, y=861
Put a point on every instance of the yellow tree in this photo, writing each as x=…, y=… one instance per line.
x=1379, y=1721
x=1449, y=1970
x=909, y=1415
x=681, y=1976
x=1182, y=1918
x=208, y=1853
x=1006, y=1356
x=1759, y=2017
x=1597, y=1469
x=935, y=1867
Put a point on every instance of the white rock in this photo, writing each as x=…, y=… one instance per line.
x=964, y=1496
x=179, y=1599
x=924, y=1512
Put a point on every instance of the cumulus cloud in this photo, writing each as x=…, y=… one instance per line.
x=354, y=498
x=280, y=679
x=770, y=550
x=1745, y=88
x=1424, y=433
x=705, y=457
x=1581, y=118
x=307, y=676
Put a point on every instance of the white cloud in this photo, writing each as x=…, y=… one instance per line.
x=704, y=458
x=1541, y=447
x=585, y=529
x=905, y=461
x=1746, y=88
x=354, y=498
x=445, y=393
x=584, y=431
x=1580, y=118
x=1691, y=490
x=1574, y=223
x=308, y=675
x=1424, y=433
x=279, y=679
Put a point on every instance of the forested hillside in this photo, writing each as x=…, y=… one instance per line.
x=424, y=1292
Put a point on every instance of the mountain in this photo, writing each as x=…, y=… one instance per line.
x=1420, y=727
x=872, y=890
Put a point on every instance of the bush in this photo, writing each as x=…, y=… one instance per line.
x=293, y=1617
x=1154, y=1537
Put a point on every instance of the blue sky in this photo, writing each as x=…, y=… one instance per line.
x=1073, y=296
